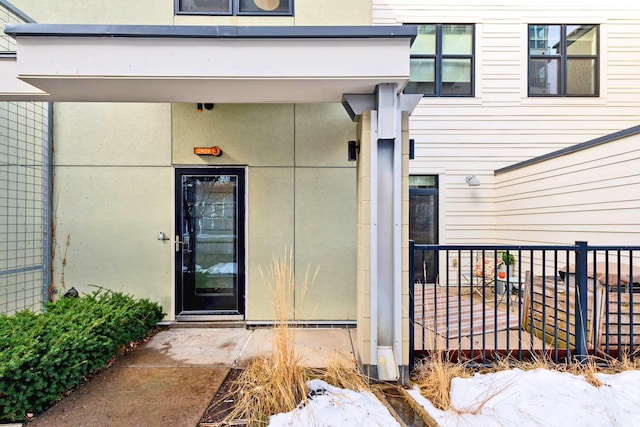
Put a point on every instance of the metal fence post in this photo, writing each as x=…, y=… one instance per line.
x=412, y=248
x=581, y=301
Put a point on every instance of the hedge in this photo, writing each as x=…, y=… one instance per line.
x=43, y=355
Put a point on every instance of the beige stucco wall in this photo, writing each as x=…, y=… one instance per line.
x=306, y=12
x=112, y=195
x=326, y=210
x=333, y=12
x=160, y=12
x=301, y=194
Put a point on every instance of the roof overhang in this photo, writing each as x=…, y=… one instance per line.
x=202, y=64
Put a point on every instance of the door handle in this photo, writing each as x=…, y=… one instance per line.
x=178, y=243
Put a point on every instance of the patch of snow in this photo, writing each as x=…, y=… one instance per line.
x=330, y=406
x=539, y=398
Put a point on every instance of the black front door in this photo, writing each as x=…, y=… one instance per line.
x=210, y=241
x=423, y=223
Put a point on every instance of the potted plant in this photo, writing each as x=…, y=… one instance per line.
x=505, y=258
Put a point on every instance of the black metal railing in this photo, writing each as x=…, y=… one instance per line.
x=494, y=301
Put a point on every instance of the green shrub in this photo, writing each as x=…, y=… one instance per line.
x=43, y=355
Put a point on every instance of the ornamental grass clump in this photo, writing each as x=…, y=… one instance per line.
x=276, y=383
x=434, y=374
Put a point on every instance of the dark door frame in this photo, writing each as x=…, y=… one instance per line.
x=433, y=191
x=241, y=173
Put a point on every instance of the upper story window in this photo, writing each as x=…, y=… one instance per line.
x=442, y=60
x=563, y=60
x=234, y=7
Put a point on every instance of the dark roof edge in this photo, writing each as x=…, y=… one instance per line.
x=20, y=14
x=573, y=149
x=226, y=31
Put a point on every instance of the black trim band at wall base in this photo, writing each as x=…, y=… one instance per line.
x=370, y=371
x=302, y=324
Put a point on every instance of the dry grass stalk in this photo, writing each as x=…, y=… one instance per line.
x=276, y=383
x=345, y=373
x=627, y=362
x=587, y=369
x=64, y=262
x=434, y=374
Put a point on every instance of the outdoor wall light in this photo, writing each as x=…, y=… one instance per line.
x=472, y=180
x=354, y=149
x=207, y=106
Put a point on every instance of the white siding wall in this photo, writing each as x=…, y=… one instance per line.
x=589, y=195
x=501, y=125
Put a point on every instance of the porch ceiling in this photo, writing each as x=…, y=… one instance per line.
x=202, y=64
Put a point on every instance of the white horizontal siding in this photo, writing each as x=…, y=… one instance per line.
x=590, y=195
x=501, y=125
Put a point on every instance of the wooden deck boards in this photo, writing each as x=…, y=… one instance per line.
x=452, y=315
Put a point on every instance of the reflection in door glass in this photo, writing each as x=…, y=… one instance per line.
x=210, y=234
x=423, y=223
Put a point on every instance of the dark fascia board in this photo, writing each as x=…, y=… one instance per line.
x=573, y=149
x=20, y=14
x=187, y=31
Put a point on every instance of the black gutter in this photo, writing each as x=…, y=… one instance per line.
x=573, y=149
x=224, y=31
x=20, y=14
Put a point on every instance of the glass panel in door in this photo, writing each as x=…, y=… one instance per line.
x=423, y=223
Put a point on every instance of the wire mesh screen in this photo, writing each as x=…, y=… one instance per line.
x=23, y=205
x=8, y=44
x=24, y=195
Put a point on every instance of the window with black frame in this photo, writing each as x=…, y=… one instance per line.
x=442, y=60
x=563, y=60
x=234, y=7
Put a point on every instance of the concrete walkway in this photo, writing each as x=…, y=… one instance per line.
x=171, y=380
